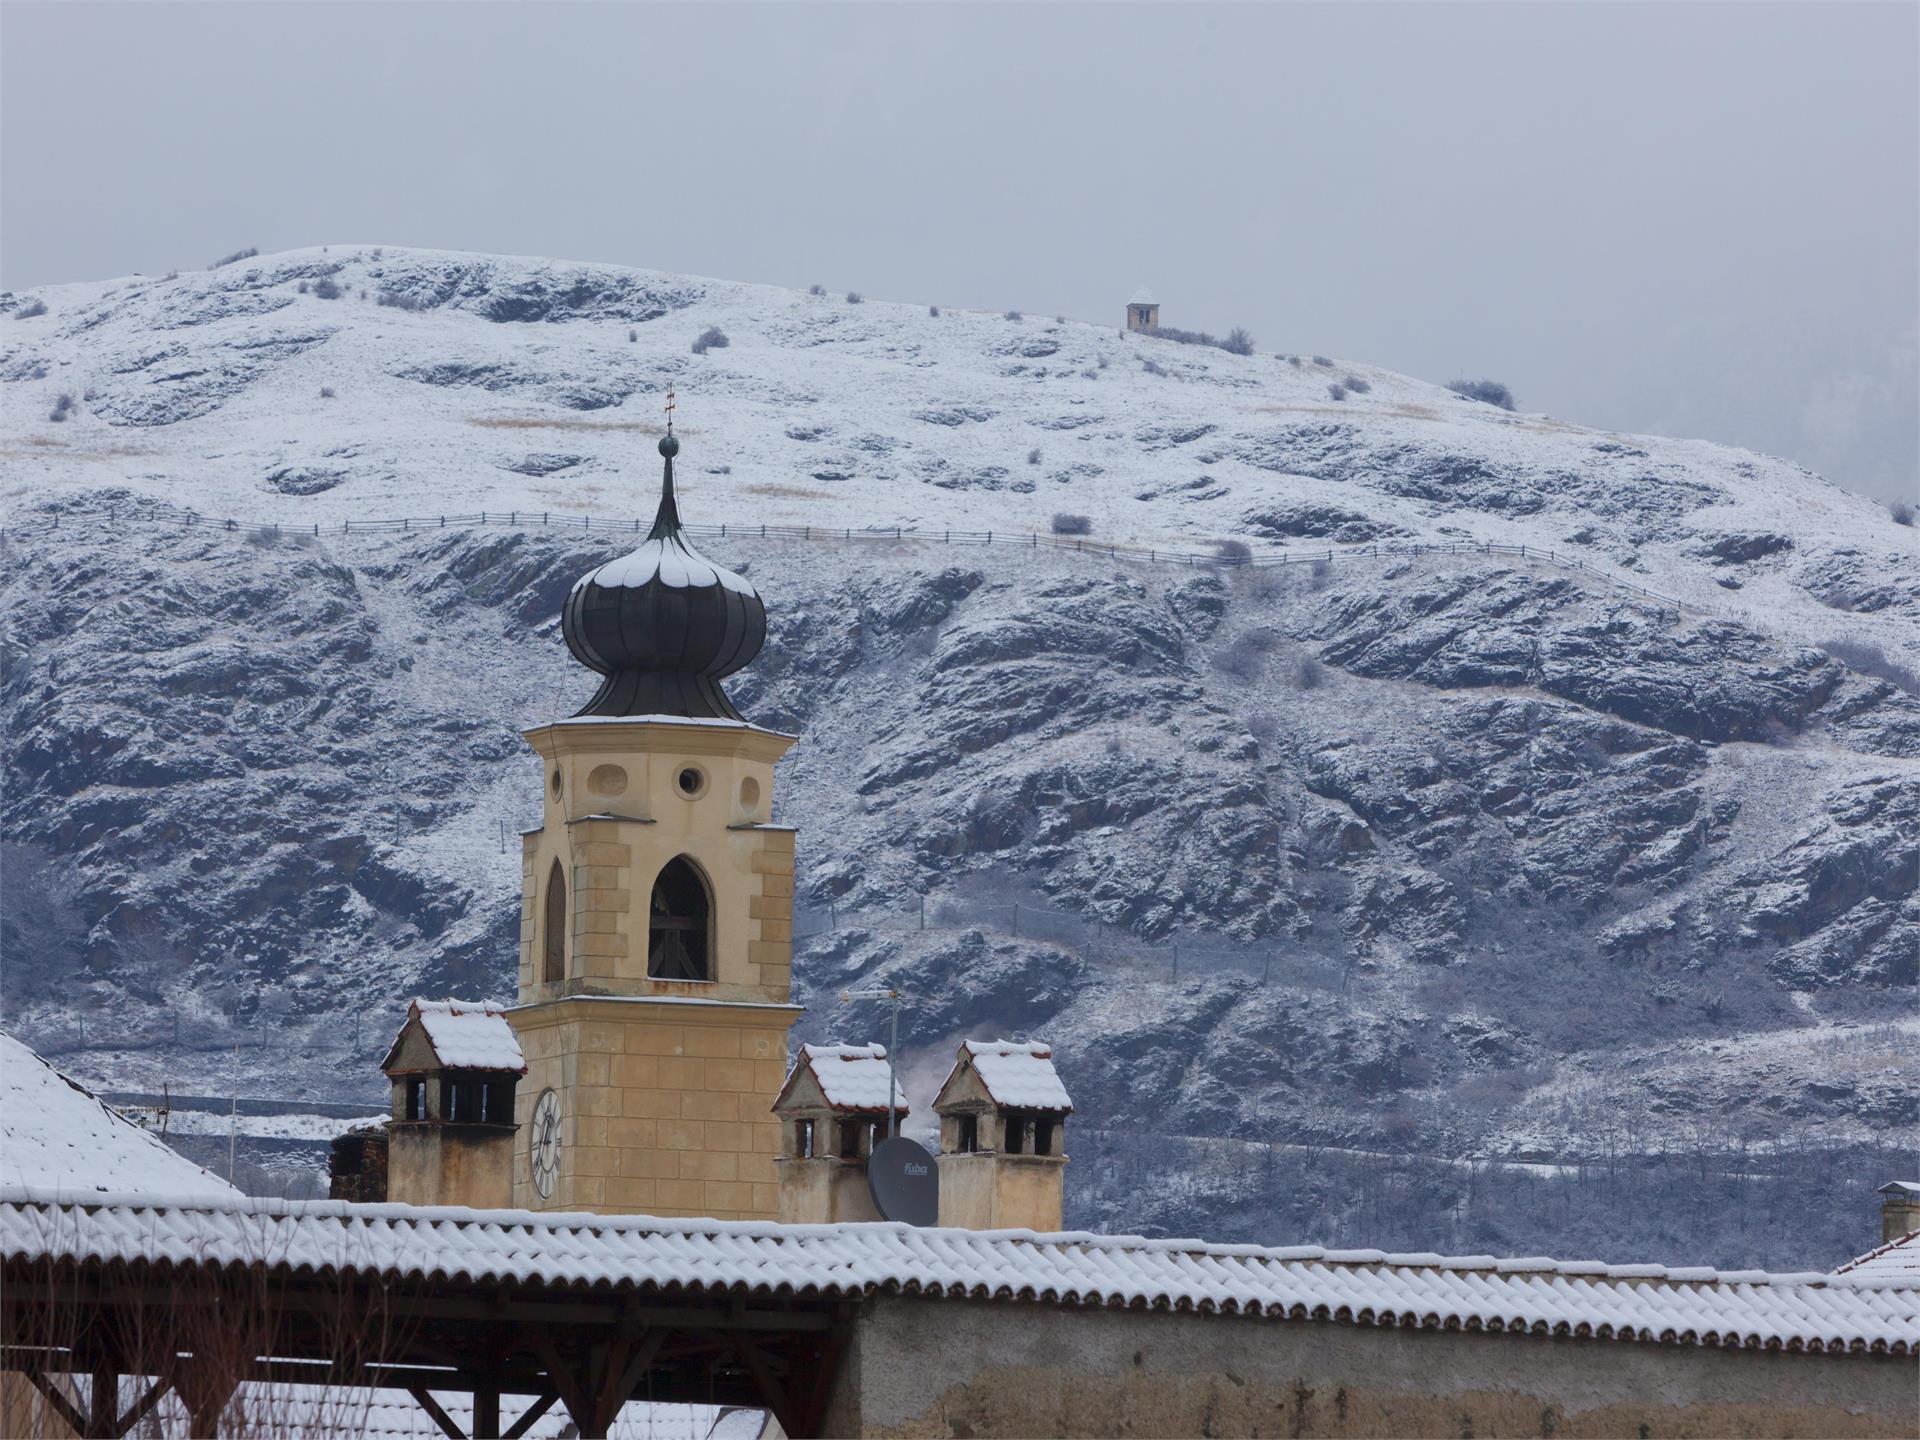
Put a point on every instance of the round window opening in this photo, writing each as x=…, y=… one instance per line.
x=690, y=782
x=607, y=780
x=556, y=784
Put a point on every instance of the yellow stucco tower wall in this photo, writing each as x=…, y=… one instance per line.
x=661, y=1089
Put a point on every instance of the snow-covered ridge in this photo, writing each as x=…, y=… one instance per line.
x=513, y=383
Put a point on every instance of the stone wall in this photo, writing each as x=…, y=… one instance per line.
x=919, y=1366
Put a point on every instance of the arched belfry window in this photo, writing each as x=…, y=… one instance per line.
x=553, y=932
x=679, y=928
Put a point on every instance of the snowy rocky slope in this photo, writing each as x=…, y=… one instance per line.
x=1533, y=870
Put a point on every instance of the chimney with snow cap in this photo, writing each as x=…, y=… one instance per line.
x=1002, y=1156
x=833, y=1111
x=1899, y=1210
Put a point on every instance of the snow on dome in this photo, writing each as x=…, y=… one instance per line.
x=671, y=561
x=1143, y=296
x=1019, y=1074
x=852, y=1077
x=663, y=624
x=469, y=1035
x=57, y=1135
x=1530, y=1297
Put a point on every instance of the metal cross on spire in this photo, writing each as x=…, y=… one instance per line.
x=669, y=409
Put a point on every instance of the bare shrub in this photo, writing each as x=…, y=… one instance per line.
x=933, y=310
x=1153, y=367
x=1245, y=656
x=1355, y=385
x=326, y=392
x=1294, y=360
x=1336, y=391
x=1103, y=362
x=1318, y=572
x=1239, y=342
x=62, y=406
x=1489, y=392
x=30, y=309
x=1065, y=524
x=1116, y=745
x=1322, y=360
x=1307, y=673
x=395, y=300
x=1013, y=315
x=325, y=289
x=1033, y=456
x=816, y=289
x=1232, y=552
x=711, y=338
x=1870, y=659
x=246, y=254
x=1901, y=511
x=632, y=334
x=301, y=287
x=854, y=297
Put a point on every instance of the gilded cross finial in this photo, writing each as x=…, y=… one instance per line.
x=669, y=409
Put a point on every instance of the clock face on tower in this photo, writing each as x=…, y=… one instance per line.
x=544, y=1149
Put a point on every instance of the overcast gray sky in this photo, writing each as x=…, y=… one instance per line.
x=1689, y=219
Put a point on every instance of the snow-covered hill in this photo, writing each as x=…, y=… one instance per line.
x=1531, y=868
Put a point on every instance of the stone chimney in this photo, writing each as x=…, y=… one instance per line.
x=454, y=1067
x=833, y=1111
x=1002, y=1157
x=1899, y=1210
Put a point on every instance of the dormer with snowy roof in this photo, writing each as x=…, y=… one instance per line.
x=1143, y=311
x=455, y=1067
x=833, y=1112
x=1002, y=1116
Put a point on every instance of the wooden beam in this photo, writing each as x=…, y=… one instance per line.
x=486, y=1411
x=424, y=1398
x=531, y=1415
x=62, y=1406
x=772, y=1391
x=104, y=1406
x=138, y=1410
x=563, y=1378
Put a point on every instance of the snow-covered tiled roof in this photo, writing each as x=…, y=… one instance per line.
x=852, y=1077
x=468, y=1034
x=56, y=1135
x=1901, y=1187
x=1365, y=1287
x=1019, y=1074
x=1895, y=1260
x=1143, y=296
x=313, y=1412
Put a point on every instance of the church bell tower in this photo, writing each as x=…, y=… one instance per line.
x=656, y=916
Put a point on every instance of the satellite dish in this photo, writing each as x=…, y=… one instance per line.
x=904, y=1182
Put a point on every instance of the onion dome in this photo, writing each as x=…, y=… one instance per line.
x=664, y=624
